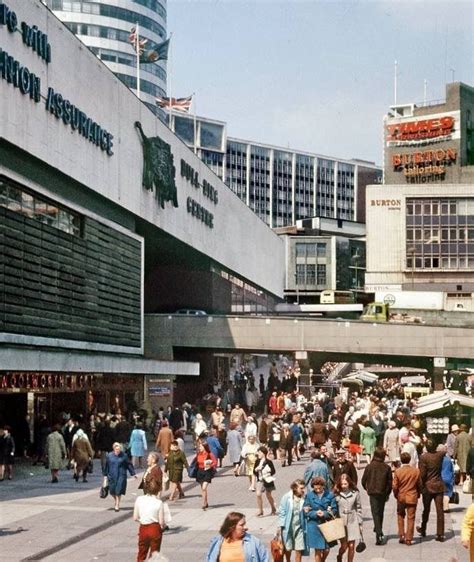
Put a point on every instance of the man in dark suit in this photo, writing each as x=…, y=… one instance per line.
x=432, y=489
x=406, y=488
x=377, y=481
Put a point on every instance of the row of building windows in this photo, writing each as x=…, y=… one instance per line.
x=310, y=274
x=439, y=233
x=68, y=6
x=110, y=12
x=145, y=86
x=35, y=207
x=108, y=55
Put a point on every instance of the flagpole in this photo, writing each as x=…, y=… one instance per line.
x=195, y=123
x=137, y=49
x=168, y=66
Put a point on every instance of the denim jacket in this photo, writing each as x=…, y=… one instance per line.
x=254, y=550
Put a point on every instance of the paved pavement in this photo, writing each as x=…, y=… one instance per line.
x=68, y=521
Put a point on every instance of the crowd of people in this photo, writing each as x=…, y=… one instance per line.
x=368, y=438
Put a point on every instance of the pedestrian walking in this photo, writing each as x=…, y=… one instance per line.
x=234, y=447
x=265, y=480
x=163, y=441
x=467, y=529
x=116, y=466
x=447, y=476
x=292, y=522
x=81, y=455
x=153, y=472
x=206, y=464
x=175, y=464
x=235, y=544
x=368, y=440
x=377, y=481
x=432, y=487
x=319, y=506
x=149, y=512
x=342, y=465
x=104, y=439
x=7, y=453
x=354, y=446
x=463, y=443
x=316, y=468
x=406, y=489
x=391, y=442
x=286, y=445
x=56, y=452
x=249, y=454
x=350, y=510
x=138, y=445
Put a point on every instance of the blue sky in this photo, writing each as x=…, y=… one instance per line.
x=316, y=75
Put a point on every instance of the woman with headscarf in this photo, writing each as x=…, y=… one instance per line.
x=81, y=454
x=234, y=447
x=249, y=454
x=391, y=442
x=200, y=427
x=115, y=472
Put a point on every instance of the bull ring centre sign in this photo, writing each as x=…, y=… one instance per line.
x=19, y=75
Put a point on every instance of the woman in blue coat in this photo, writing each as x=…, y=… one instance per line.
x=138, y=445
x=115, y=471
x=319, y=506
x=447, y=476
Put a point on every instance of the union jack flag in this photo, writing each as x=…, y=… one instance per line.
x=180, y=104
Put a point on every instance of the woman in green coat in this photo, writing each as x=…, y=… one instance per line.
x=174, y=466
x=368, y=440
x=56, y=451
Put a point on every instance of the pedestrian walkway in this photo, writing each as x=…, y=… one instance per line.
x=68, y=521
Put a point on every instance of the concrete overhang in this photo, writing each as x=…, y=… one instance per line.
x=21, y=359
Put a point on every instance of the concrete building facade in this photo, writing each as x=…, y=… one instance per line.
x=104, y=215
x=280, y=185
x=420, y=223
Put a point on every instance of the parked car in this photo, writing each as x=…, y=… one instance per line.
x=191, y=312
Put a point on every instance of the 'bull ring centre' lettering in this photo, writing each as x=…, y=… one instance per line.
x=192, y=206
x=17, y=74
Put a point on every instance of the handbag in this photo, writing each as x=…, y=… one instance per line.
x=276, y=547
x=467, y=486
x=333, y=530
x=193, y=468
x=104, y=489
x=361, y=546
x=454, y=498
x=90, y=467
x=165, y=481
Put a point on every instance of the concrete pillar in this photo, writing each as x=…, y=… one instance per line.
x=437, y=372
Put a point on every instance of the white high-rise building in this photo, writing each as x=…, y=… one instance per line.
x=104, y=26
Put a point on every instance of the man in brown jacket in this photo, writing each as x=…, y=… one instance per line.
x=163, y=441
x=432, y=488
x=406, y=488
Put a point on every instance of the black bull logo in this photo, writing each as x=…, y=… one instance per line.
x=158, y=168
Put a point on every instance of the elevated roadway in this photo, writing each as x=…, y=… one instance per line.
x=345, y=339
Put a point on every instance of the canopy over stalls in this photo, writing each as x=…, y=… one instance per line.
x=441, y=400
x=363, y=376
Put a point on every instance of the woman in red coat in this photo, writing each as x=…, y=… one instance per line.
x=206, y=468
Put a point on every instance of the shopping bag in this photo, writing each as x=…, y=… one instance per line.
x=454, y=498
x=467, y=486
x=333, y=529
x=276, y=547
